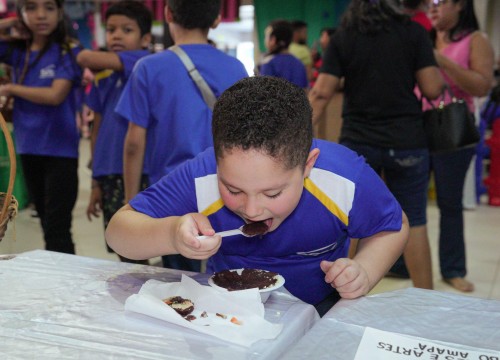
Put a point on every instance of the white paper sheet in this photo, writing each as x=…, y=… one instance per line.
x=382, y=345
x=244, y=305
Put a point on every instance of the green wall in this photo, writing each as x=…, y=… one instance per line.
x=317, y=13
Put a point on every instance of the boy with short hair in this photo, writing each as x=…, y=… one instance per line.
x=169, y=120
x=314, y=196
x=128, y=35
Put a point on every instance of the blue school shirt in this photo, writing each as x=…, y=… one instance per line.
x=285, y=66
x=342, y=198
x=161, y=97
x=104, y=95
x=45, y=129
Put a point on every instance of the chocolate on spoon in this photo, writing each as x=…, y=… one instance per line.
x=255, y=228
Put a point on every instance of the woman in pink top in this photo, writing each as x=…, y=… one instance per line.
x=466, y=60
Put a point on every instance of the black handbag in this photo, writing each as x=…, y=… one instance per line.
x=450, y=127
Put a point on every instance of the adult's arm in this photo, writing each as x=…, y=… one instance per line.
x=478, y=79
x=430, y=82
x=321, y=93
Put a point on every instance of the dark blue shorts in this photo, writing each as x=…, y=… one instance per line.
x=406, y=174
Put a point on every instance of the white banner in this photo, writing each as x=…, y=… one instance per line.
x=383, y=345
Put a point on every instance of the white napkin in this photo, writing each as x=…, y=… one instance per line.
x=244, y=305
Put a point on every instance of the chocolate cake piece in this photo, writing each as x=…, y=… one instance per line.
x=182, y=306
x=255, y=228
x=249, y=278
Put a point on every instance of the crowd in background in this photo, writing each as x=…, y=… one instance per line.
x=383, y=69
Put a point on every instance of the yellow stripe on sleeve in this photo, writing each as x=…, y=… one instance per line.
x=102, y=75
x=326, y=201
x=213, y=208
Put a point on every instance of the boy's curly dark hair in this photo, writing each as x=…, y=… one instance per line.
x=194, y=14
x=267, y=114
x=134, y=10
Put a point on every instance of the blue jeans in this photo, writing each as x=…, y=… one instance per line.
x=449, y=175
x=406, y=174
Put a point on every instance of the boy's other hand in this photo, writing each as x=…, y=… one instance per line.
x=190, y=226
x=347, y=276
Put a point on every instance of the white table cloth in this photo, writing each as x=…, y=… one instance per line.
x=434, y=315
x=59, y=306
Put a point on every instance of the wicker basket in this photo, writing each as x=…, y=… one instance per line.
x=8, y=203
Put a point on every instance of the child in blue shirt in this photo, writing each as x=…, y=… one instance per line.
x=313, y=195
x=169, y=120
x=45, y=82
x=128, y=35
x=278, y=61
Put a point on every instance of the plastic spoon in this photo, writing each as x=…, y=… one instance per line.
x=248, y=230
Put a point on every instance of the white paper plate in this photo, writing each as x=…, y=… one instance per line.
x=264, y=293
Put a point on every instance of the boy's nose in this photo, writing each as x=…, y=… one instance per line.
x=252, y=208
x=117, y=35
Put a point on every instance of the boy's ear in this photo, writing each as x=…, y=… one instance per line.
x=146, y=40
x=216, y=22
x=311, y=160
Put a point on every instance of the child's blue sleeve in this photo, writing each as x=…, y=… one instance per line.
x=374, y=208
x=68, y=68
x=129, y=59
x=173, y=195
x=134, y=104
x=267, y=69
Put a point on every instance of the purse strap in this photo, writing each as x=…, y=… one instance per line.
x=206, y=92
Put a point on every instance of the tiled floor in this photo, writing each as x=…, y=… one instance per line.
x=482, y=236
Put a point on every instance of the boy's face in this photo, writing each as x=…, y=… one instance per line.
x=258, y=188
x=123, y=33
